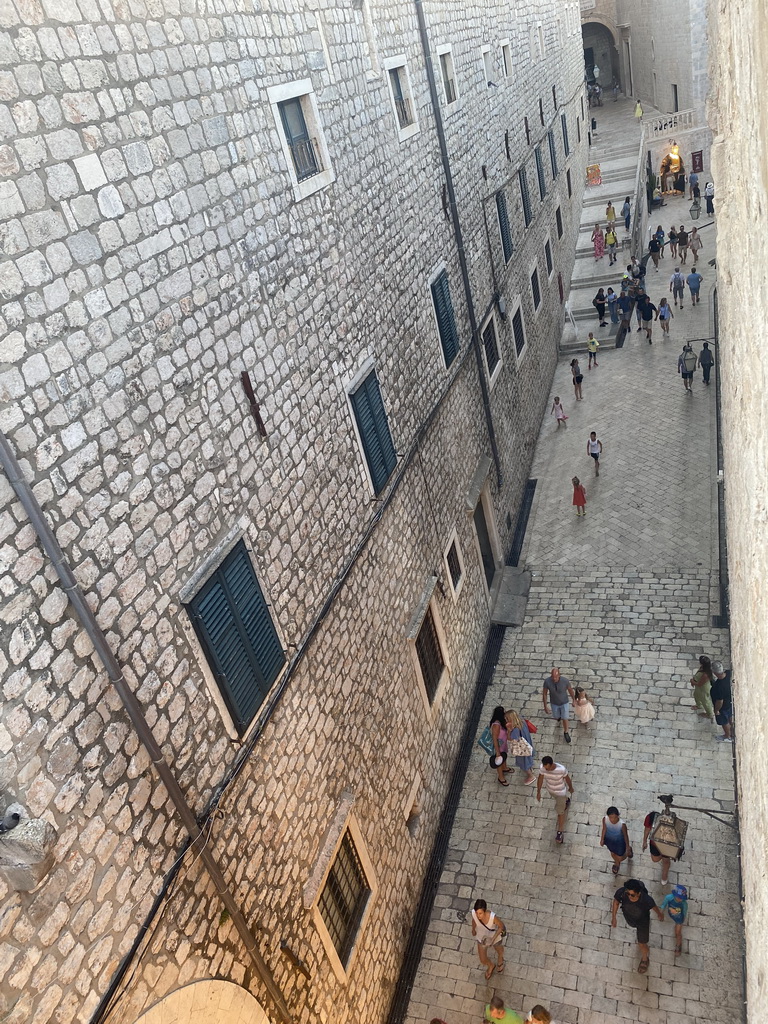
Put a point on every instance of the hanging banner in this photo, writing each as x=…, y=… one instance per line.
x=593, y=175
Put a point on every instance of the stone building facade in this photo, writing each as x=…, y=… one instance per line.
x=369, y=210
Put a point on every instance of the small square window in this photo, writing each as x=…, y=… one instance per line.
x=548, y=257
x=343, y=898
x=454, y=562
x=400, y=95
x=298, y=122
x=540, y=172
x=506, y=59
x=518, y=332
x=491, y=349
x=559, y=222
x=535, y=289
x=430, y=655
x=448, y=77
x=525, y=196
x=504, y=230
x=304, y=150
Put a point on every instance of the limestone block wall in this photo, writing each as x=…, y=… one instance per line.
x=154, y=245
x=740, y=153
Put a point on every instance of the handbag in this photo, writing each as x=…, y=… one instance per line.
x=486, y=741
x=531, y=727
x=520, y=748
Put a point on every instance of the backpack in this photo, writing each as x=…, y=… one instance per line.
x=678, y=281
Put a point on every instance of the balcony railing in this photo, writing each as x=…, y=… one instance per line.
x=306, y=158
x=450, y=90
x=668, y=124
x=404, y=114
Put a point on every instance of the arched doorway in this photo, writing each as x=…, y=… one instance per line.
x=600, y=51
x=202, y=1002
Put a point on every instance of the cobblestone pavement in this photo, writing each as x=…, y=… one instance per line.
x=622, y=602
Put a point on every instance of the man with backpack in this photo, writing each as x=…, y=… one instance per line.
x=677, y=286
x=686, y=365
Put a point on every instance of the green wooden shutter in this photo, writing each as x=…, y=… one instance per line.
x=525, y=196
x=374, y=431
x=552, y=152
x=564, y=126
x=238, y=636
x=506, y=234
x=446, y=321
x=540, y=172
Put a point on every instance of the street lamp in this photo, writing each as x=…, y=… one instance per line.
x=669, y=831
x=695, y=209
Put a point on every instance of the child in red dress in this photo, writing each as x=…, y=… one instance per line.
x=579, y=497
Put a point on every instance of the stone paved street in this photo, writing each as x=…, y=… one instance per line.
x=622, y=601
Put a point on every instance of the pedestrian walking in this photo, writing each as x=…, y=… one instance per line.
x=611, y=299
x=664, y=315
x=583, y=708
x=611, y=243
x=676, y=905
x=672, y=237
x=720, y=695
x=660, y=237
x=640, y=298
x=498, y=759
x=647, y=309
x=578, y=377
x=558, y=692
x=615, y=837
x=615, y=91
x=638, y=110
x=694, y=280
x=599, y=303
x=610, y=213
x=598, y=242
x=579, y=497
x=648, y=844
x=558, y=782
x=539, y=1015
x=518, y=729
x=625, y=308
x=592, y=346
x=706, y=361
x=636, y=905
x=695, y=244
x=595, y=450
x=558, y=411
x=654, y=250
x=686, y=364
x=693, y=181
x=701, y=682
x=497, y=1013
x=677, y=286
x=682, y=243
x=709, y=198
x=489, y=932
x=626, y=213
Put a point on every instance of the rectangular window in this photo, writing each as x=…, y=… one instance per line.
x=548, y=257
x=446, y=321
x=235, y=628
x=675, y=100
x=398, y=83
x=564, y=127
x=582, y=107
x=488, y=66
x=430, y=655
x=540, y=172
x=568, y=182
x=449, y=79
x=506, y=234
x=455, y=568
x=304, y=150
x=373, y=428
x=578, y=130
x=344, y=897
x=559, y=222
x=554, y=87
x=535, y=290
x=518, y=331
x=541, y=110
x=552, y=152
x=506, y=59
x=491, y=348
x=525, y=195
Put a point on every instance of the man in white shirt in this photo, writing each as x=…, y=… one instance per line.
x=558, y=782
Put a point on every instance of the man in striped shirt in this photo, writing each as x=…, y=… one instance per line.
x=558, y=782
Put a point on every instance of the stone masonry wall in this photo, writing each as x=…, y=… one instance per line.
x=152, y=248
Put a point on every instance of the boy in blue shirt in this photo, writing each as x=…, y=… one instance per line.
x=676, y=905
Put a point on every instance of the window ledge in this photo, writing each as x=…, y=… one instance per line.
x=328, y=846
x=408, y=132
x=308, y=187
x=421, y=609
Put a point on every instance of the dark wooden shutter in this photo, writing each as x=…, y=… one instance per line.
x=559, y=222
x=446, y=321
x=525, y=196
x=506, y=234
x=535, y=289
x=564, y=126
x=548, y=256
x=518, y=331
x=491, y=347
x=374, y=431
x=430, y=655
x=540, y=172
x=238, y=636
x=552, y=152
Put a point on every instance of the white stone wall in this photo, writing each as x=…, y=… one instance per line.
x=152, y=249
x=740, y=155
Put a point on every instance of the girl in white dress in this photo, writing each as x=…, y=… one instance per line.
x=583, y=707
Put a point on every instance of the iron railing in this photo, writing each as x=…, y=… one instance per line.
x=404, y=113
x=306, y=158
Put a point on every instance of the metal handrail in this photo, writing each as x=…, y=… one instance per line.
x=306, y=158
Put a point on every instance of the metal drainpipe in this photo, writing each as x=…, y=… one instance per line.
x=457, y=234
x=88, y=620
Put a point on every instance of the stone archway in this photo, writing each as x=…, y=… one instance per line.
x=204, y=1001
x=600, y=48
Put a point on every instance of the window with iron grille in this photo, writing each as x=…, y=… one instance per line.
x=454, y=565
x=506, y=234
x=374, y=431
x=518, y=332
x=398, y=82
x=430, y=655
x=491, y=347
x=235, y=628
x=564, y=127
x=535, y=290
x=552, y=152
x=446, y=321
x=548, y=256
x=344, y=897
x=449, y=79
x=525, y=196
x=305, y=152
x=559, y=222
x=568, y=182
x=540, y=172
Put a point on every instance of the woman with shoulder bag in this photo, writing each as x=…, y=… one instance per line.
x=498, y=758
x=519, y=738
